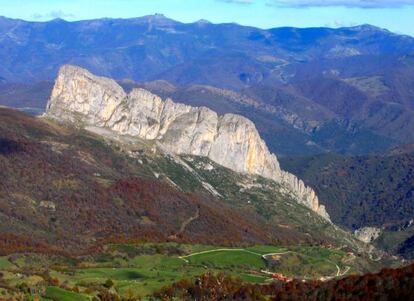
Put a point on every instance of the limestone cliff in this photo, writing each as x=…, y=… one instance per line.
x=230, y=140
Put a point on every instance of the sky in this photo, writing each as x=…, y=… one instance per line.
x=394, y=15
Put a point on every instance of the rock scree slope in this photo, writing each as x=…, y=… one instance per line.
x=230, y=140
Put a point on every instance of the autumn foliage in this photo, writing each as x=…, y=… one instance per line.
x=65, y=189
x=389, y=284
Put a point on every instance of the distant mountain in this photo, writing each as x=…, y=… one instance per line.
x=154, y=47
x=289, y=123
x=25, y=96
x=346, y=90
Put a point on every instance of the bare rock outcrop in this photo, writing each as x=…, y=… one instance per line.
x=230, y=140
x=367, y=234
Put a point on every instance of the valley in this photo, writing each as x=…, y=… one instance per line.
x=140, y=269
x=43, y=154
x=148, y=159
x=223, y=221
x=366, y=191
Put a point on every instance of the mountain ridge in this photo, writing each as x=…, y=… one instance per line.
x=230, y=140
x=73, y=189
x=160, y=16
x=332, y=90
x=267, y=48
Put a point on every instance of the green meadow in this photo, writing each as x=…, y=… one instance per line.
x=141, y=269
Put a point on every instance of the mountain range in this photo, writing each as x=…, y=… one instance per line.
x=347, y=90
x=67, y=190
x=144, y=151
x=308, y=91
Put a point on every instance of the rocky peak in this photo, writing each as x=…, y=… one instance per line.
x=230, y=140
x=367, y=27
x=157, y=20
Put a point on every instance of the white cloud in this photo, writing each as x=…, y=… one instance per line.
x=340, y=23
x=54, y=14
x=344, y=3
x=238, y=1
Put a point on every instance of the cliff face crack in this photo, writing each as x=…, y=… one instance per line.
x=229, y=140
x=112, y=113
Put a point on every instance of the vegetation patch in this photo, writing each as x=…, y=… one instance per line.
x=58, y=294
x=140, y=269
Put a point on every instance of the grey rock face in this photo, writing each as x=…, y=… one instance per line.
x=367, y=234
x=230, y=140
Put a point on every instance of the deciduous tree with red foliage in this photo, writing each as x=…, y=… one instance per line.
x=389, y=284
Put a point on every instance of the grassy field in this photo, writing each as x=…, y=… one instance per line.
x=142, y=269
x=5, y=263
x=226, y=259
x=55, y=293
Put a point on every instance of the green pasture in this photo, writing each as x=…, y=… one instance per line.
x=143, y=268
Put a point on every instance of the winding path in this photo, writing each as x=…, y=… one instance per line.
x=186, y=223
x=338, y=272
x=217, y=250
x=189, y=220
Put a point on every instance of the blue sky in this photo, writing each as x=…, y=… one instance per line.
x=395, y=15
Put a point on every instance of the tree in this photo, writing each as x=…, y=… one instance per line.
x=108, y=283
